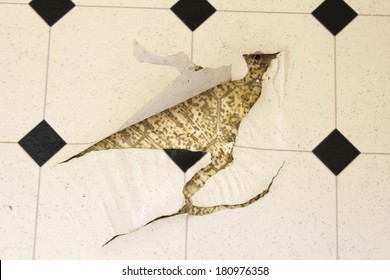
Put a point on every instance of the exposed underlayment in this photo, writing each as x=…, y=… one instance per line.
x=208, y=122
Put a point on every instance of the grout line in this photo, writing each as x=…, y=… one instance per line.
x=8, y=142
x=81, y=143
x=186, y=239
x=278, y=150
x=186, y=230
x=123, y=7
x=192, y=46
x=374, y=15
x=36, y=214
x=242, y=147
x=263, y=12
x=380, y=154
x=11, y=3
x=47, y=73
x=337, y=219
x=335, y=81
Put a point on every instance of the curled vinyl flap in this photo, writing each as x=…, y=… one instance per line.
x=187, y=85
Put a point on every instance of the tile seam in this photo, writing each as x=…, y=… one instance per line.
x=374, y=15
x=263, y=12
x=47, y=74
x=185, y=175
x=374, y=153
x=239, y=146
x=87, y=143
x=36, y=214
x=276, y=150
x=192, y=47
x=12, y=3
x=335, y=80
x=186, y=240
x=122, y=7
x=337, y=218
x=186, y=228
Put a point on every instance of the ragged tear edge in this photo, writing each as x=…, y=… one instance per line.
x=191, y=83
x=260, y=195
x=271, y=107
x=276, y=85
x=279, y=70
x=275, y=90
x=180, y=61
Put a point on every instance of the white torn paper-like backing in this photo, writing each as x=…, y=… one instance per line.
x=185, y=86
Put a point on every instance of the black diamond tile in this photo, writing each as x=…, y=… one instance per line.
x=193, y=12
x=184, y=158
x=52, y=10
x=42, y=143
x=336, y=152
x=334, y=15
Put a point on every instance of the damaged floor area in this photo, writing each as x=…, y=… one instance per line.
x=69, y=77
x=208, y=122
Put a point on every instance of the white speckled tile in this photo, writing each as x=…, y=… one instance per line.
x=19, y=178
x=128, y=3
x=23, y=59
x=94, y=68
x=380, y=7
x=296, y=220
x=87, y=201
x=364, y=209
x=363, y=71
x=306, y=6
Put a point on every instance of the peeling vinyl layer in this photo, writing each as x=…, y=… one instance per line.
x=208, y=122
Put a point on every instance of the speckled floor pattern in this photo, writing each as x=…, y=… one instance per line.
x=66, y=80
